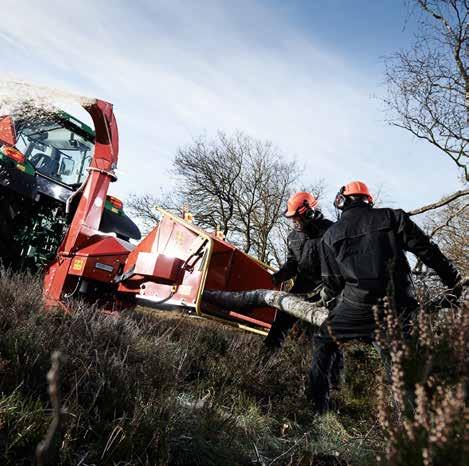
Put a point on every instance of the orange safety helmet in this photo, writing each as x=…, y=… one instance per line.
x=300, y=203
x=354, y=188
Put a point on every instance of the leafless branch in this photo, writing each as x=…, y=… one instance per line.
x=448, y=221
x=440, y=203
x=428, y=85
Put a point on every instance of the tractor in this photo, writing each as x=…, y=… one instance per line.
x=44, y=161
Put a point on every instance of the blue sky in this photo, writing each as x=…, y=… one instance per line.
x=306, y=75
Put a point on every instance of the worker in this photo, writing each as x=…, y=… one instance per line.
x=362, y=261
x=302, y=261
x=303, y=264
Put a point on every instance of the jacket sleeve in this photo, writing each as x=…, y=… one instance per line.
x=413, y=239
x=289, y=269
x=332, y=278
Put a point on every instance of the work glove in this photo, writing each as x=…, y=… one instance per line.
x=326, y=299
x=277, y=279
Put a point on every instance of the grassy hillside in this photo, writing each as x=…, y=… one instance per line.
x=142, y=389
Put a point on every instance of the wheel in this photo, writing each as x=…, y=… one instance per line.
x=8, y=248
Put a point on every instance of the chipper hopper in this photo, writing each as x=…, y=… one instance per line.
x=177, y=261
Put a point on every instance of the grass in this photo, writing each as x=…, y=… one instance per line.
x=139, y=389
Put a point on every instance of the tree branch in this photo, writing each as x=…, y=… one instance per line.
x=448, y=221
x=440, y=203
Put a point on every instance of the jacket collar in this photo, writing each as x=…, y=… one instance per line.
x=317, y=227
x=353, y=207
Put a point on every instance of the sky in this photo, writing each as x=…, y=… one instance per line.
x=306, y=75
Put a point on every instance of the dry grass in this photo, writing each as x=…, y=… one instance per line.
x=139, y=389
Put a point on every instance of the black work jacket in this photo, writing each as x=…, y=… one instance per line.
x=363, y=256
x=303, y=259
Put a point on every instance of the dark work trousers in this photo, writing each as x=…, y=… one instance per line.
x=284, y=322
x=345, y=323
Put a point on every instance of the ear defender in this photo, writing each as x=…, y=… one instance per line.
x=340, y=199
x=308, y=211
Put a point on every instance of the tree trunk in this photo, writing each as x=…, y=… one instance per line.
x=285, y=302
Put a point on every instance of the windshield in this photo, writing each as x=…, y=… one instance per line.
x=56, y=151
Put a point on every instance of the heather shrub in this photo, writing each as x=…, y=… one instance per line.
x=421, y=411
x=153, y=388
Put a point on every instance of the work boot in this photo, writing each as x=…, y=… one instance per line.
x=321, y=406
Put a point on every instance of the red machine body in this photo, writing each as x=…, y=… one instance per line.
x=175, y=263
x=83, y=233
x=170, y=267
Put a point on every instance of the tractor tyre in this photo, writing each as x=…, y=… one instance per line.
x=8, y=247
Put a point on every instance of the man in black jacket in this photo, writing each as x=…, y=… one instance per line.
x=303, y=260
x=303, y=264
x=362, y=261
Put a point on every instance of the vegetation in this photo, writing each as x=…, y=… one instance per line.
x=428, y=84
x=141, y=389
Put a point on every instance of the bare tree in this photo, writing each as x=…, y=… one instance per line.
x=235, y=183
x=449, y=227
x=428, y=85
x=206, y=174
x=208, y=178
x=264, y=188
x=144, y=208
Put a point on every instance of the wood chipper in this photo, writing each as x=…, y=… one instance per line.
x=170, y=267
x=89, y=254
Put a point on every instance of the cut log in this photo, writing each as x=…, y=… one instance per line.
x=281, y=300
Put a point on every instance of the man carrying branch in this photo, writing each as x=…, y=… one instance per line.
x=362, y=261
x=303, y=264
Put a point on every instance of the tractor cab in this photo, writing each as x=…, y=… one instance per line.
x=60, y=149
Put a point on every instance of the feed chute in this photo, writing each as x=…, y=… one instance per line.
x=83, y=233
x=177, y=261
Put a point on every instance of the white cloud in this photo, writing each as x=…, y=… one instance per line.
x=175, y=70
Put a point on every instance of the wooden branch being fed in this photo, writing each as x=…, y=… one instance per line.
x=281, y=300
x=440, y=203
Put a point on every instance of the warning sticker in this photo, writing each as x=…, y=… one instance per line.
x=78, y=264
